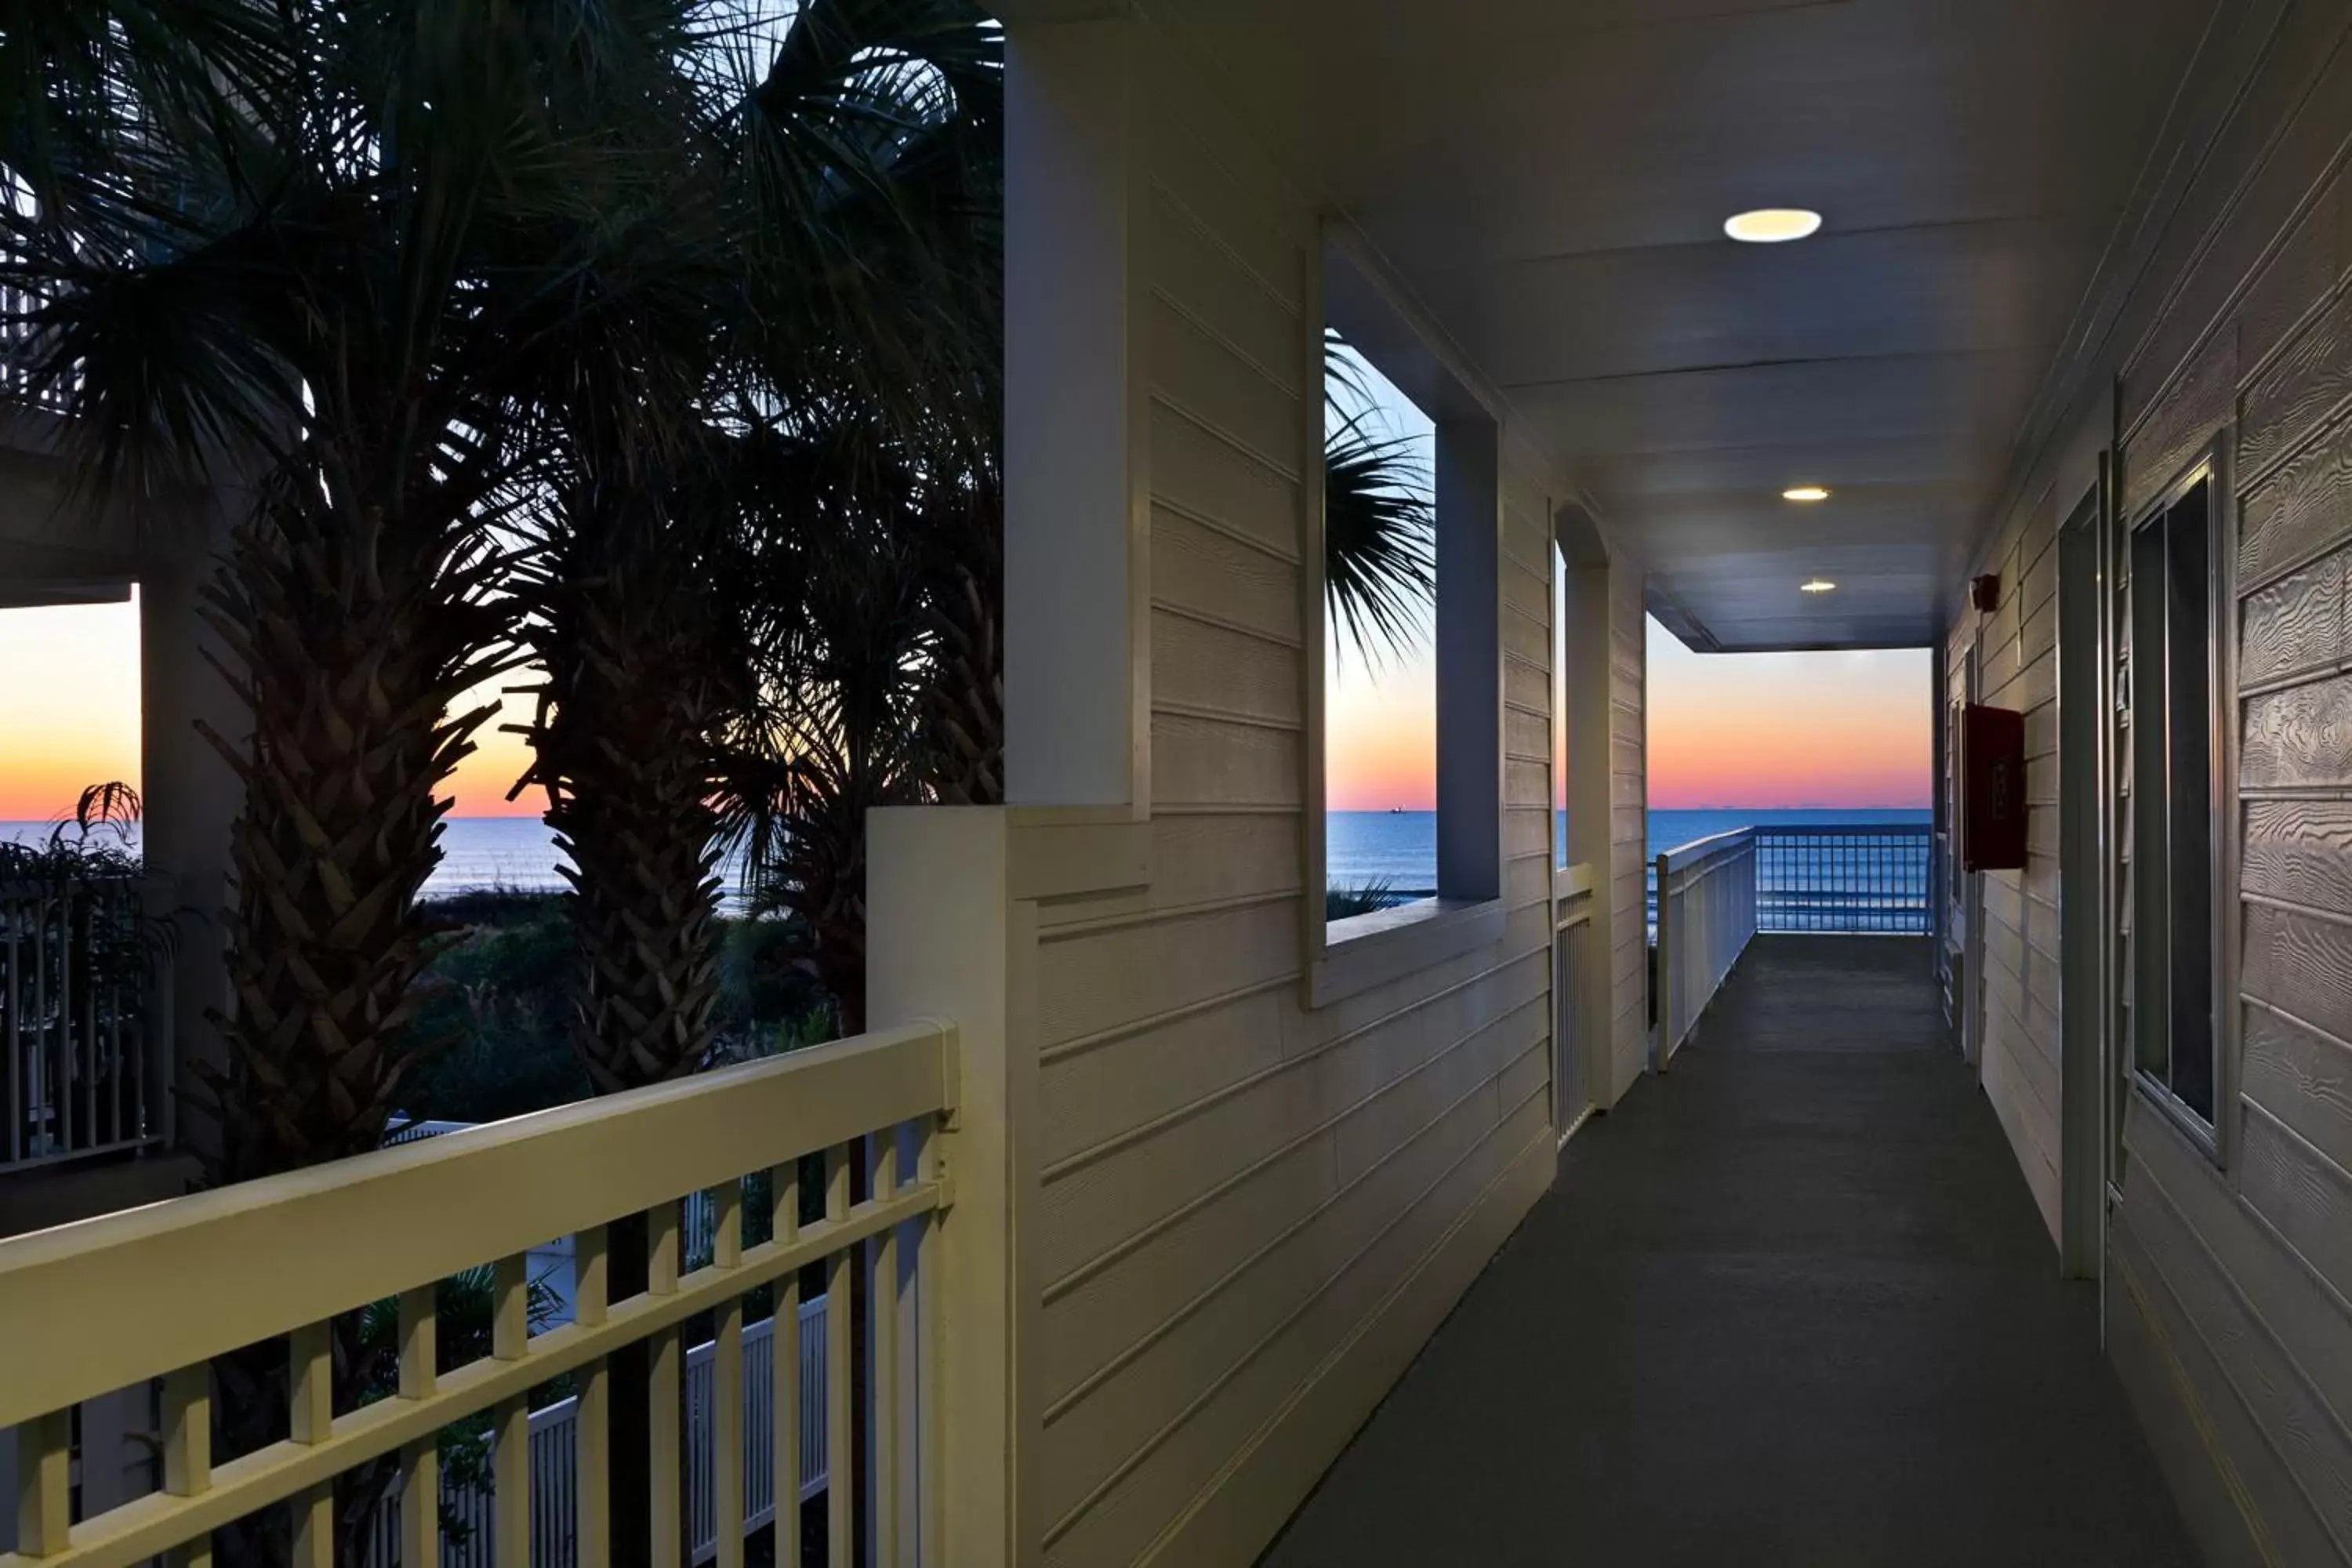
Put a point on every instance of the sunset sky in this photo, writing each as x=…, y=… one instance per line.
x=1768, y=731
x=1741, y=730
x=1754, y=730
x=70, y=716
x=1725, y=730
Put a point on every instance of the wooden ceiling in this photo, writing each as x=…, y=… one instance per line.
x=1551, y=178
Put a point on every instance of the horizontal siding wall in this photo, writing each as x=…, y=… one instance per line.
x=1254, y=1211
x=2230, y=1282
x=2018, y=1003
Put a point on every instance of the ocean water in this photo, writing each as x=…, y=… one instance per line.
x=476, y=852
x=1401, y=847
x=1397, y=848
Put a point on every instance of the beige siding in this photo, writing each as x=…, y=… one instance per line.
x=2016, y=659
x=2229, y=1279
x=1251, y=1210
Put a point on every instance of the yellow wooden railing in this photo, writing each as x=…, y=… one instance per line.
x=159, y=1292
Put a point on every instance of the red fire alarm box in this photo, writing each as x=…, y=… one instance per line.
x=1993, y=789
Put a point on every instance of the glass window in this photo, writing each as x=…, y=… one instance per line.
x=2175, y=955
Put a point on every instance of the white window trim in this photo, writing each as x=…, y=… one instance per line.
x=2217, y=1138
x=1350, y=956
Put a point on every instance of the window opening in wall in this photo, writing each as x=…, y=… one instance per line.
x=1558, y=705
x=2175, y=1042
x=69, y=705
x=1379, y=662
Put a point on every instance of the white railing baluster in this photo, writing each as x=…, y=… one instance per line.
x=840, y=1376
x=310, y=1359
x=188, y=1449
x=727, y=1386
x=785, y=1373
x=45, y=1484
x=882, y=1352
x=593, y=1432
x=665, y=1399
x=930, y=1352
x=512, y=1509
x=420, y=1461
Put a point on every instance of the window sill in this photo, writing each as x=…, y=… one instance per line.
x=1372, y=949
x=2201, y=1135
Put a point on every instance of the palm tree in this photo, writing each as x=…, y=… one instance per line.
x=839, y=643
x=321, y=296
x=325, y=276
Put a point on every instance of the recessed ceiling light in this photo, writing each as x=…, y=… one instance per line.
x=1817, y=586
x=1805, y=492
x=1771, y=226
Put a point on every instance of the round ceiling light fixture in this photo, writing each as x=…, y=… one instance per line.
x=1772, y=225
x=1805, y=494
x=1817, y=586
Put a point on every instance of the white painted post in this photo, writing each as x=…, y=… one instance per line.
x=1584, y=616
x=191, y=796
x=1469, y=661
x=1078, y=628
x=948, y=941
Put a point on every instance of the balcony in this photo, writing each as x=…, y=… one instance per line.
x=1781, y=1196
x=1799, y=1300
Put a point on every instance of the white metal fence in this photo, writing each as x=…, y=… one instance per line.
x=18, y=333
x=1707, y=914
x=469, y=1512
x=88, y=1060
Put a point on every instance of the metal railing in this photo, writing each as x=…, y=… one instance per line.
x=17, y=331
x=1839, y=877
x=1707, y=907
x=554, y=1438
x=260, y=1286
x=1856, y=876
x=82, y=1023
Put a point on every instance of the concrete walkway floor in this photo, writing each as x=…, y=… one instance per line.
x=1791, y=1303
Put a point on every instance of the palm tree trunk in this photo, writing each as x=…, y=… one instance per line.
x=347, y=644
x=623, y=746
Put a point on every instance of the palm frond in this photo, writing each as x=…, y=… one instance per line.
x=1380, y=543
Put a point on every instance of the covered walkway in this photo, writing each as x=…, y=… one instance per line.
x=1789, y=1304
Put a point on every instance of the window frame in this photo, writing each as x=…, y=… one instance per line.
x=1349, y=956
x=2209, y=465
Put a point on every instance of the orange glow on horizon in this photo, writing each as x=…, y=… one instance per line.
x=1380, y=749
x=69, y=717
x=69, y=705
x=1764, y=731
x=480, y=783
x=1788, y=731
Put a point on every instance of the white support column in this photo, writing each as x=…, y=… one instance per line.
x=1077, y=625
x=948, y=940
x=1469, y=661
x=191, y=796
